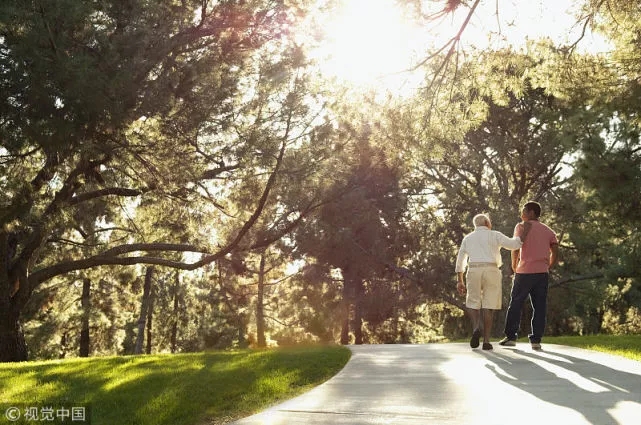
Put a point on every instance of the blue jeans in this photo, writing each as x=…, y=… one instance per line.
x=534, y=285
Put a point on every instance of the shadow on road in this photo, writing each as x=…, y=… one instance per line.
x=582, y=385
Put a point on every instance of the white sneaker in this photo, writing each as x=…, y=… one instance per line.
x=507, y=342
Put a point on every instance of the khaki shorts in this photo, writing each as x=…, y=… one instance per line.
x=484, y=288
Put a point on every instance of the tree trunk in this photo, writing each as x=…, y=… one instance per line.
x=85, y=302
x=242, y=333
x=359, y=291
x=144, y=308
x=63, y=346
x=345, y=326
x=260, y=313
x=345, y=312
x=174, y=325
x=13, y=347
x=149, y=320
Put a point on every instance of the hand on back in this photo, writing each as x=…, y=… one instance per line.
x=525, y=226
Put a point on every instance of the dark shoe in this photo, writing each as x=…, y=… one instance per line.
x=507, y=342
x=476, y=336
x=487, y=346
x=536, y=346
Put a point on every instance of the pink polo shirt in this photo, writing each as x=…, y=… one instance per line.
x=535, y=252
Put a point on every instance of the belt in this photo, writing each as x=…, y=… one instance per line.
x=471, y=265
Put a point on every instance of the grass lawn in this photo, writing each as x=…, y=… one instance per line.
x=194, y=389
x=202, y=388
x=623, y=345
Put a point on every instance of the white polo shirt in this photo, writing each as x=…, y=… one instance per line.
x=484, y=246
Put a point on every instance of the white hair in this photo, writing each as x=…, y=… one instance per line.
x=481, y=220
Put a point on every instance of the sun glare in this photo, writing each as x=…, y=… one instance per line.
x=368, y=43
x=372, y=44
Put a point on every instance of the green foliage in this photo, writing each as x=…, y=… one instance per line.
x=363, y=215
x=516, y=153
x=134, y=123
x=360, y=230
x=310, y=305
x=53, y=317
x=156, y=123
x=552, y=130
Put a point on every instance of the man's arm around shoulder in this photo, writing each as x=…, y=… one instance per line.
x=526, y=226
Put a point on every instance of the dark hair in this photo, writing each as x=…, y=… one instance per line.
x=533, y=206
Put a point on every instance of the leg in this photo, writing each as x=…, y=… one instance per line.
x=538, y=298
x=488, y=315
x=520, y=291
x=473, y=303
x=492, y=294
x=475, y=317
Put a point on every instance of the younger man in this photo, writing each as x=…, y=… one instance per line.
x=531, y=265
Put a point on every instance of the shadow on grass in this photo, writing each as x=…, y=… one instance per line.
x=179, y=389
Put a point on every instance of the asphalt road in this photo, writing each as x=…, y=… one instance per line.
x=446, y=384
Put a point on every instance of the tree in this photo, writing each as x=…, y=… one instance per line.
x=145, y=309
x=85, y=335
x=107, y=103
x=501, y=139
x=361, y=229
x=607, y=169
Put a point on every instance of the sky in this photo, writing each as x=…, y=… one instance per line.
x=371, y=42
x=522, y=19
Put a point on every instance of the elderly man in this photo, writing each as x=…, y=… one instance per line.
x=484, y=289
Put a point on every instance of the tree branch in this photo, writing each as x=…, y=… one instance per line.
x=287, y=229
x=119, y=191
x=100, y=260
x=452, y=43
x=586, y=21
x=577, y=279
x=214, y=173
x=150, y=247
x=110, y=257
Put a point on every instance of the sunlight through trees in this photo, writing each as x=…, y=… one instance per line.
x=285, y=172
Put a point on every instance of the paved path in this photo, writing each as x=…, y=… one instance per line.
x=447, y=384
